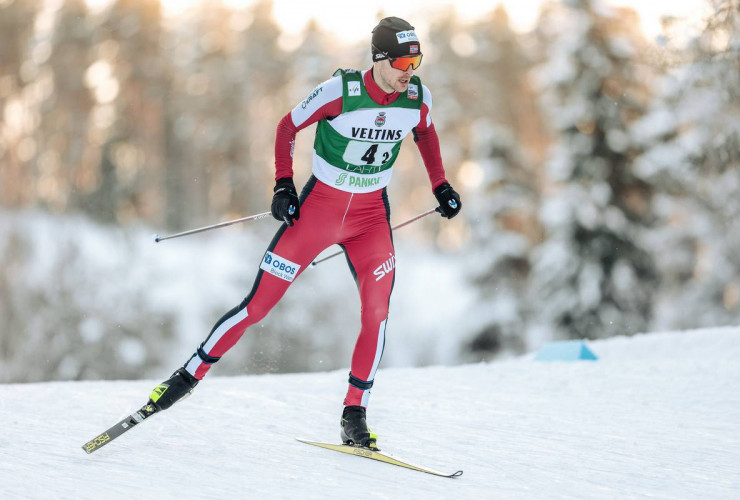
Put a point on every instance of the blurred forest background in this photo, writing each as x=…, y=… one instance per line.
x=599, y=172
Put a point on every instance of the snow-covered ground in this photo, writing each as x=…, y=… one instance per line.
x=657, y=416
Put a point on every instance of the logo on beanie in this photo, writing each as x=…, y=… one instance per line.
x=380, y=120
x=414, y=49
x=406, y=36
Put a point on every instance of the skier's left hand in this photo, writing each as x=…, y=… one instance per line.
x=449, y=200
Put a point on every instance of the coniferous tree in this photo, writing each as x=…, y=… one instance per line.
x=265, y=78
x=131, y=158
x=16, y=25
x=64, y=130
x=16, y=29
x=691, y=143
x=205, y=119
x=502, y=201
x=311, y=63
x=55, y=137
x=592, y=276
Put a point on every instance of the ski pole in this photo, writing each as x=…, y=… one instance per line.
x=158, y=238
x=399, y=226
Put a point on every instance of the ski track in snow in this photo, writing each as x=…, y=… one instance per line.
x=657, y=416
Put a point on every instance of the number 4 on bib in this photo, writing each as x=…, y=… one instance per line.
x=360, y=153
x=369, y=156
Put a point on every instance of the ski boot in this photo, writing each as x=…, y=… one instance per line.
x=172, y=390
x=354, y=428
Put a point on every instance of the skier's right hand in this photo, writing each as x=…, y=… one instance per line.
x=285, y=205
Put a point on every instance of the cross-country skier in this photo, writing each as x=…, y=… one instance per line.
x=362, y=118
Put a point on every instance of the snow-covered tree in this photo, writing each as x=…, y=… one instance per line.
x=504, y=135
x=121, y=179
x=592, y=277
x=691, y=142
x=72, y=305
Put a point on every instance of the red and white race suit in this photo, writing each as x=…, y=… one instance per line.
x=356, y=217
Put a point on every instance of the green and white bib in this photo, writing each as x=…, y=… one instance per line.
x=355, y=151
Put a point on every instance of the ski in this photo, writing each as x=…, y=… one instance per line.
x=361, y=451
x=124, y=425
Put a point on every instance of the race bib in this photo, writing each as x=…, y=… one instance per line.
x=367, y=153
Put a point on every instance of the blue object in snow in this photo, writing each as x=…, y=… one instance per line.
x=568, y=350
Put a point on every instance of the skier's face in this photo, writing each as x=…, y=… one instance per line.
x=392, y=79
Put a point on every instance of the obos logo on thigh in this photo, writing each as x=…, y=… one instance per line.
x=279, y=266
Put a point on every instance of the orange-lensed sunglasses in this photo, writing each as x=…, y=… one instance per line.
x=403, y=63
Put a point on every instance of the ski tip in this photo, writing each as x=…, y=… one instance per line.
x=361, y=451
x=311, y=442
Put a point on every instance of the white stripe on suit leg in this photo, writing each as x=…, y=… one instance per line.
x=378, y=349
x=223, y=328
x=193, y=364
x=376, y=361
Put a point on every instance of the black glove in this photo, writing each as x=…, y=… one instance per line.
x=449, y=200
x=285, y=206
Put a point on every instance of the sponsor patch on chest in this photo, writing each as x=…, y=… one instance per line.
x=279, y=266
x=353, y=89
x=413, y=92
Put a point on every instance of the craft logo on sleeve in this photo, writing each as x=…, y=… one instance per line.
x=279, y=266
x=308, y=99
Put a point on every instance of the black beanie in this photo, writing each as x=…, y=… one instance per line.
x=394, y=37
